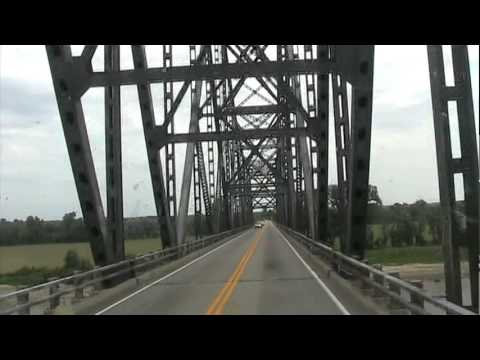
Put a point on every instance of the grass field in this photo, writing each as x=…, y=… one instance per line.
x=405, y=255
x=13, y=258
x=408, y=255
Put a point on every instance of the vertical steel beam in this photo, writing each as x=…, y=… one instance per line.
x=234, y=164
x=170, y=168
x=113, y=147
x=286, y=122
x=467, y=164
x=216, y=105
x=167, y=232
x=210, y=154
x=200, y=163
x=196, y=93
x=314, y=138
x=71, y=113
x=320, y=129
x=469, y=161
x=196, y=195
x=226, y=149
x=306, y=163
x=279, y=176
x=445, y=175
x=362, y=100
x=204, y=187
x=226, y=194
x=342, y=141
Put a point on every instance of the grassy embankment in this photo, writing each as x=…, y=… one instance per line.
x=32, y=264
x=395, y=256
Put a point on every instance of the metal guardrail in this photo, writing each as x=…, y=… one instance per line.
x=382, y=283
x=78, y=282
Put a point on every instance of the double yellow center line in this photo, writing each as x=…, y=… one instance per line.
x=216, y=308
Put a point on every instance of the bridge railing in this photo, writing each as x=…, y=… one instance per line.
x=21, y=301
x=382, y=282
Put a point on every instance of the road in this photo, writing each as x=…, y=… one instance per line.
x=256, y=273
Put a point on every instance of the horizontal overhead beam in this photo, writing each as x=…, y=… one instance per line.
x=159, y=138
x=252, y=185
x=258, y=194
x=205, y=72
x=250, y=110
x=253, y=110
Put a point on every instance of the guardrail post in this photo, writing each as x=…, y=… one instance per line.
x=79, y=291
x=149, y=260
x=364, y=285
x=334, y=263
x=160, y=259
x=354, y=274
x=341, y=268
x=95, y=276
x=52, y=290
x=317, y=251
x=414, y=298
x=379, y=280
x=21, y=300
x=395, y=289
x=133, y=273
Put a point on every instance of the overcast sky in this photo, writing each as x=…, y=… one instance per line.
x=35, y=174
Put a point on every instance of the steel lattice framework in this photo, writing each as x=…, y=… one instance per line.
x=258, y=138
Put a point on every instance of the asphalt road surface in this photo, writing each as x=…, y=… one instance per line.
x=256, y=273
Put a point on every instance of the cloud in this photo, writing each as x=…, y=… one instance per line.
x=24, y=105
x=408, y=118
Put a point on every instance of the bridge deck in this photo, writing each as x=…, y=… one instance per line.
x=256, y=273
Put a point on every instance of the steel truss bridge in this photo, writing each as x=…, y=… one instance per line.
x=258, y=139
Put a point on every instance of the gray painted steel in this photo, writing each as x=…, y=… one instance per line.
x=271, y=136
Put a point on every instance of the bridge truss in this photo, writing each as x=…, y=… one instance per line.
x=258, y=139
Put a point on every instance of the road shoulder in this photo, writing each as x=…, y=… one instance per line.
x=350, y=296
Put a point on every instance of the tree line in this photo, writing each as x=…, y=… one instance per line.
x=70, y=229
x=398, y=225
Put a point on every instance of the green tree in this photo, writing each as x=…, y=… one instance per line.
x=34, y=230
x=370, y=239
x=385, y=239
x=418, y=213
x=373, y=196
x=403, y=229
x=72, y=260
x=68, y=220
x=334, y=196
x=433, y=218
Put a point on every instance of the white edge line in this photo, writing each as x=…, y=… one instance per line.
x=322, y=284
x=167, y=276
